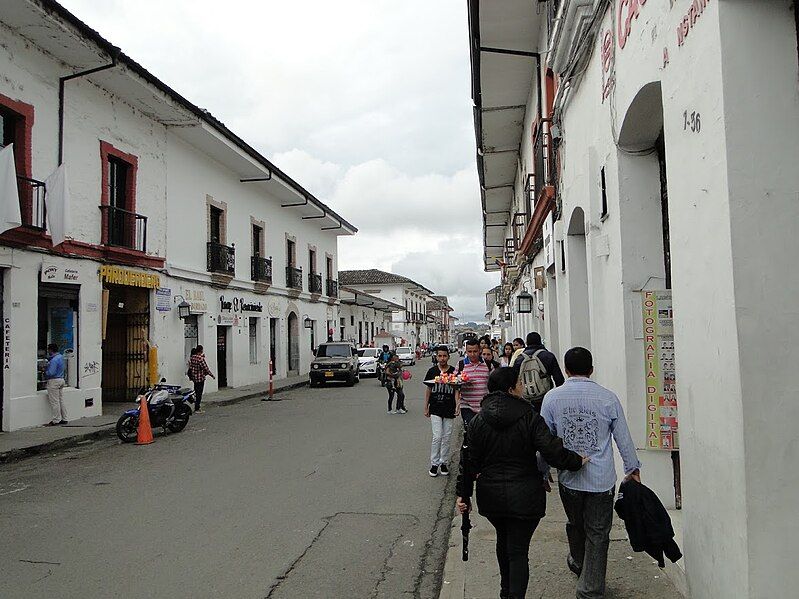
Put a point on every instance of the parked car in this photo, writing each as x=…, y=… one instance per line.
x=407, y=355
x=334, y=362
x=367, y=360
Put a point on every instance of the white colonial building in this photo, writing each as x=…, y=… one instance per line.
x=637, y=164
x=178, y=232
x=410, y=324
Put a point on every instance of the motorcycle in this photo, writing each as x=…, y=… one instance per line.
x=381, y=373
x=169, y=406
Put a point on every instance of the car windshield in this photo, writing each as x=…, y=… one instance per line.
x=334, y=351
x=367, y=352
x=403, y=350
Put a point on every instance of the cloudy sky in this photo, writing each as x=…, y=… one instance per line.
x=366, y=103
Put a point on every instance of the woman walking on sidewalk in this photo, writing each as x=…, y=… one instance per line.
x=503, y=439
x=198, y=370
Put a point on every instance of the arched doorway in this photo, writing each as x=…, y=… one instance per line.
x=293, y=344
x=577, y=273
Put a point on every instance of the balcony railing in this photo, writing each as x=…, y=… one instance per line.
x=31, y=200
x=261, y=269
x=294, y=278
x=315, y=283
x=123, y=228
x=332, y=288
x=221, y=258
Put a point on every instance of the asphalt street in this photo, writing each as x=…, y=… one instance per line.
x=321, y=494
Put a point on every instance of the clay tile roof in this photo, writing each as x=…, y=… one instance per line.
x=373, y=276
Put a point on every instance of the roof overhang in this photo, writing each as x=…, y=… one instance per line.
x=353, y=297
x=80, y=47
x=504, y=43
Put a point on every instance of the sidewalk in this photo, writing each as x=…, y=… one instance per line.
x=630, y=575
x=23, y=443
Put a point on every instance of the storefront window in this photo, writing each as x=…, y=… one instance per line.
x=57, y=323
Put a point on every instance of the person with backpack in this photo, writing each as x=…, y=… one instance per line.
x=394, y=385
x=538, y=369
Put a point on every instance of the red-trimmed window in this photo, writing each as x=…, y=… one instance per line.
x=121, y=225
x=16, y=127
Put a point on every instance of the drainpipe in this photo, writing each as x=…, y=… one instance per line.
x=61, y=82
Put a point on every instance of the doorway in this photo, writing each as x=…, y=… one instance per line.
x=273, y=343
x=126, y=343
x=221, y=355
x=293, y=345
x=577, y=258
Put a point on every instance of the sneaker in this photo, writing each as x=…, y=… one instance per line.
x=442, y=468
x=389, y=412
x=395, y=412
x=52, y=424
x=402, y=411
x=64, y=422
x=198, y=411
x=433, y=471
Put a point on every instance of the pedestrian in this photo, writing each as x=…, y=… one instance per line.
x=587, y=415
x=54, y=375
x=487, y=355
x=539, y=369
x=382, y=362
x=476, y=385
x=394, y=385
x=507, y=355
x=442, y=406
x=500, y=455
x=518, y=349
x=198, y=370
x=485, y=341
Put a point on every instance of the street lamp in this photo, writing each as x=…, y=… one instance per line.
x=307, y=323
x=184, y=307
x=524, y=302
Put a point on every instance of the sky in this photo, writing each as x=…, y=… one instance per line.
x=366, y=103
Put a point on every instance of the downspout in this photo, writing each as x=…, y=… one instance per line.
x=61, y=82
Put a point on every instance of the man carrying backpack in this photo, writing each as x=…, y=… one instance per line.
x=538, y=369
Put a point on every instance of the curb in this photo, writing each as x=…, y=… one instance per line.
x=453, y=581
x=15, y=455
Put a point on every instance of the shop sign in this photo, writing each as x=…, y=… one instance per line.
x=129, y=278
x=163, y=299
x=6, y=343
x=539, y=278
x=549, y=241
x=238, y=305
x=52, y=273
x=197, y=301
x=661, y=397
x=229, y=320
x=628, y=12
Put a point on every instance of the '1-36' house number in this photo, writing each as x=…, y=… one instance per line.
x=692, y=122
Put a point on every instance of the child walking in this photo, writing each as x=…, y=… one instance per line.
x=441, y=406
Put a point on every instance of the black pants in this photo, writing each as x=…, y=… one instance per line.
x=513, y=546
x=198, y=394
x=588, y=529
x=400, y=396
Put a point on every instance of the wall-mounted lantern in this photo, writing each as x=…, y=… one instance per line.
x=184, y=307
x=524, y=302
x=307, y=323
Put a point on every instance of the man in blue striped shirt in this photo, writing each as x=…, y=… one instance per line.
x=586, y=415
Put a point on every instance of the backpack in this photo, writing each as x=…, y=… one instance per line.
x=535, y=377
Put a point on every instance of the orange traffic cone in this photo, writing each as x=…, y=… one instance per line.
x=144, y=434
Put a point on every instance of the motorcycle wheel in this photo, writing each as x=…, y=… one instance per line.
x=180, y=420
x=127, y=428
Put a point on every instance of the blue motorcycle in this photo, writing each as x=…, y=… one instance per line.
x=169, y=407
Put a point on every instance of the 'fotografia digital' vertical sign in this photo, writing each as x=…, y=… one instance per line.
x=661, y=396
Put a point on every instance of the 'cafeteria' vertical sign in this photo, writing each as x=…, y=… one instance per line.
x=661, y=396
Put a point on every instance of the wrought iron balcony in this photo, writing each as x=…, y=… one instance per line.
x=294, y=278
x=31, y=201
x=261, y=269
x=332, y=288
x=221, y=258
x=315, y=283
x=123, y=228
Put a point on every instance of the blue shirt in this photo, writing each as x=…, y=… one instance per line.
x=55, y=367
x=586, y=415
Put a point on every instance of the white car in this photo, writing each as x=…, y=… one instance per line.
x=367, y=359
x=406, y=355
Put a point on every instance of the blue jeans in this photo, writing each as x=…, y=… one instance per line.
x=590, y=518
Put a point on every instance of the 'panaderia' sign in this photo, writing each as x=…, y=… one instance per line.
x=131, y=278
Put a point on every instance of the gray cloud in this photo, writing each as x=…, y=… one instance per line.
x=367, y=104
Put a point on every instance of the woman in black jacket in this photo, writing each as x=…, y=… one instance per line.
x=502, y=443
